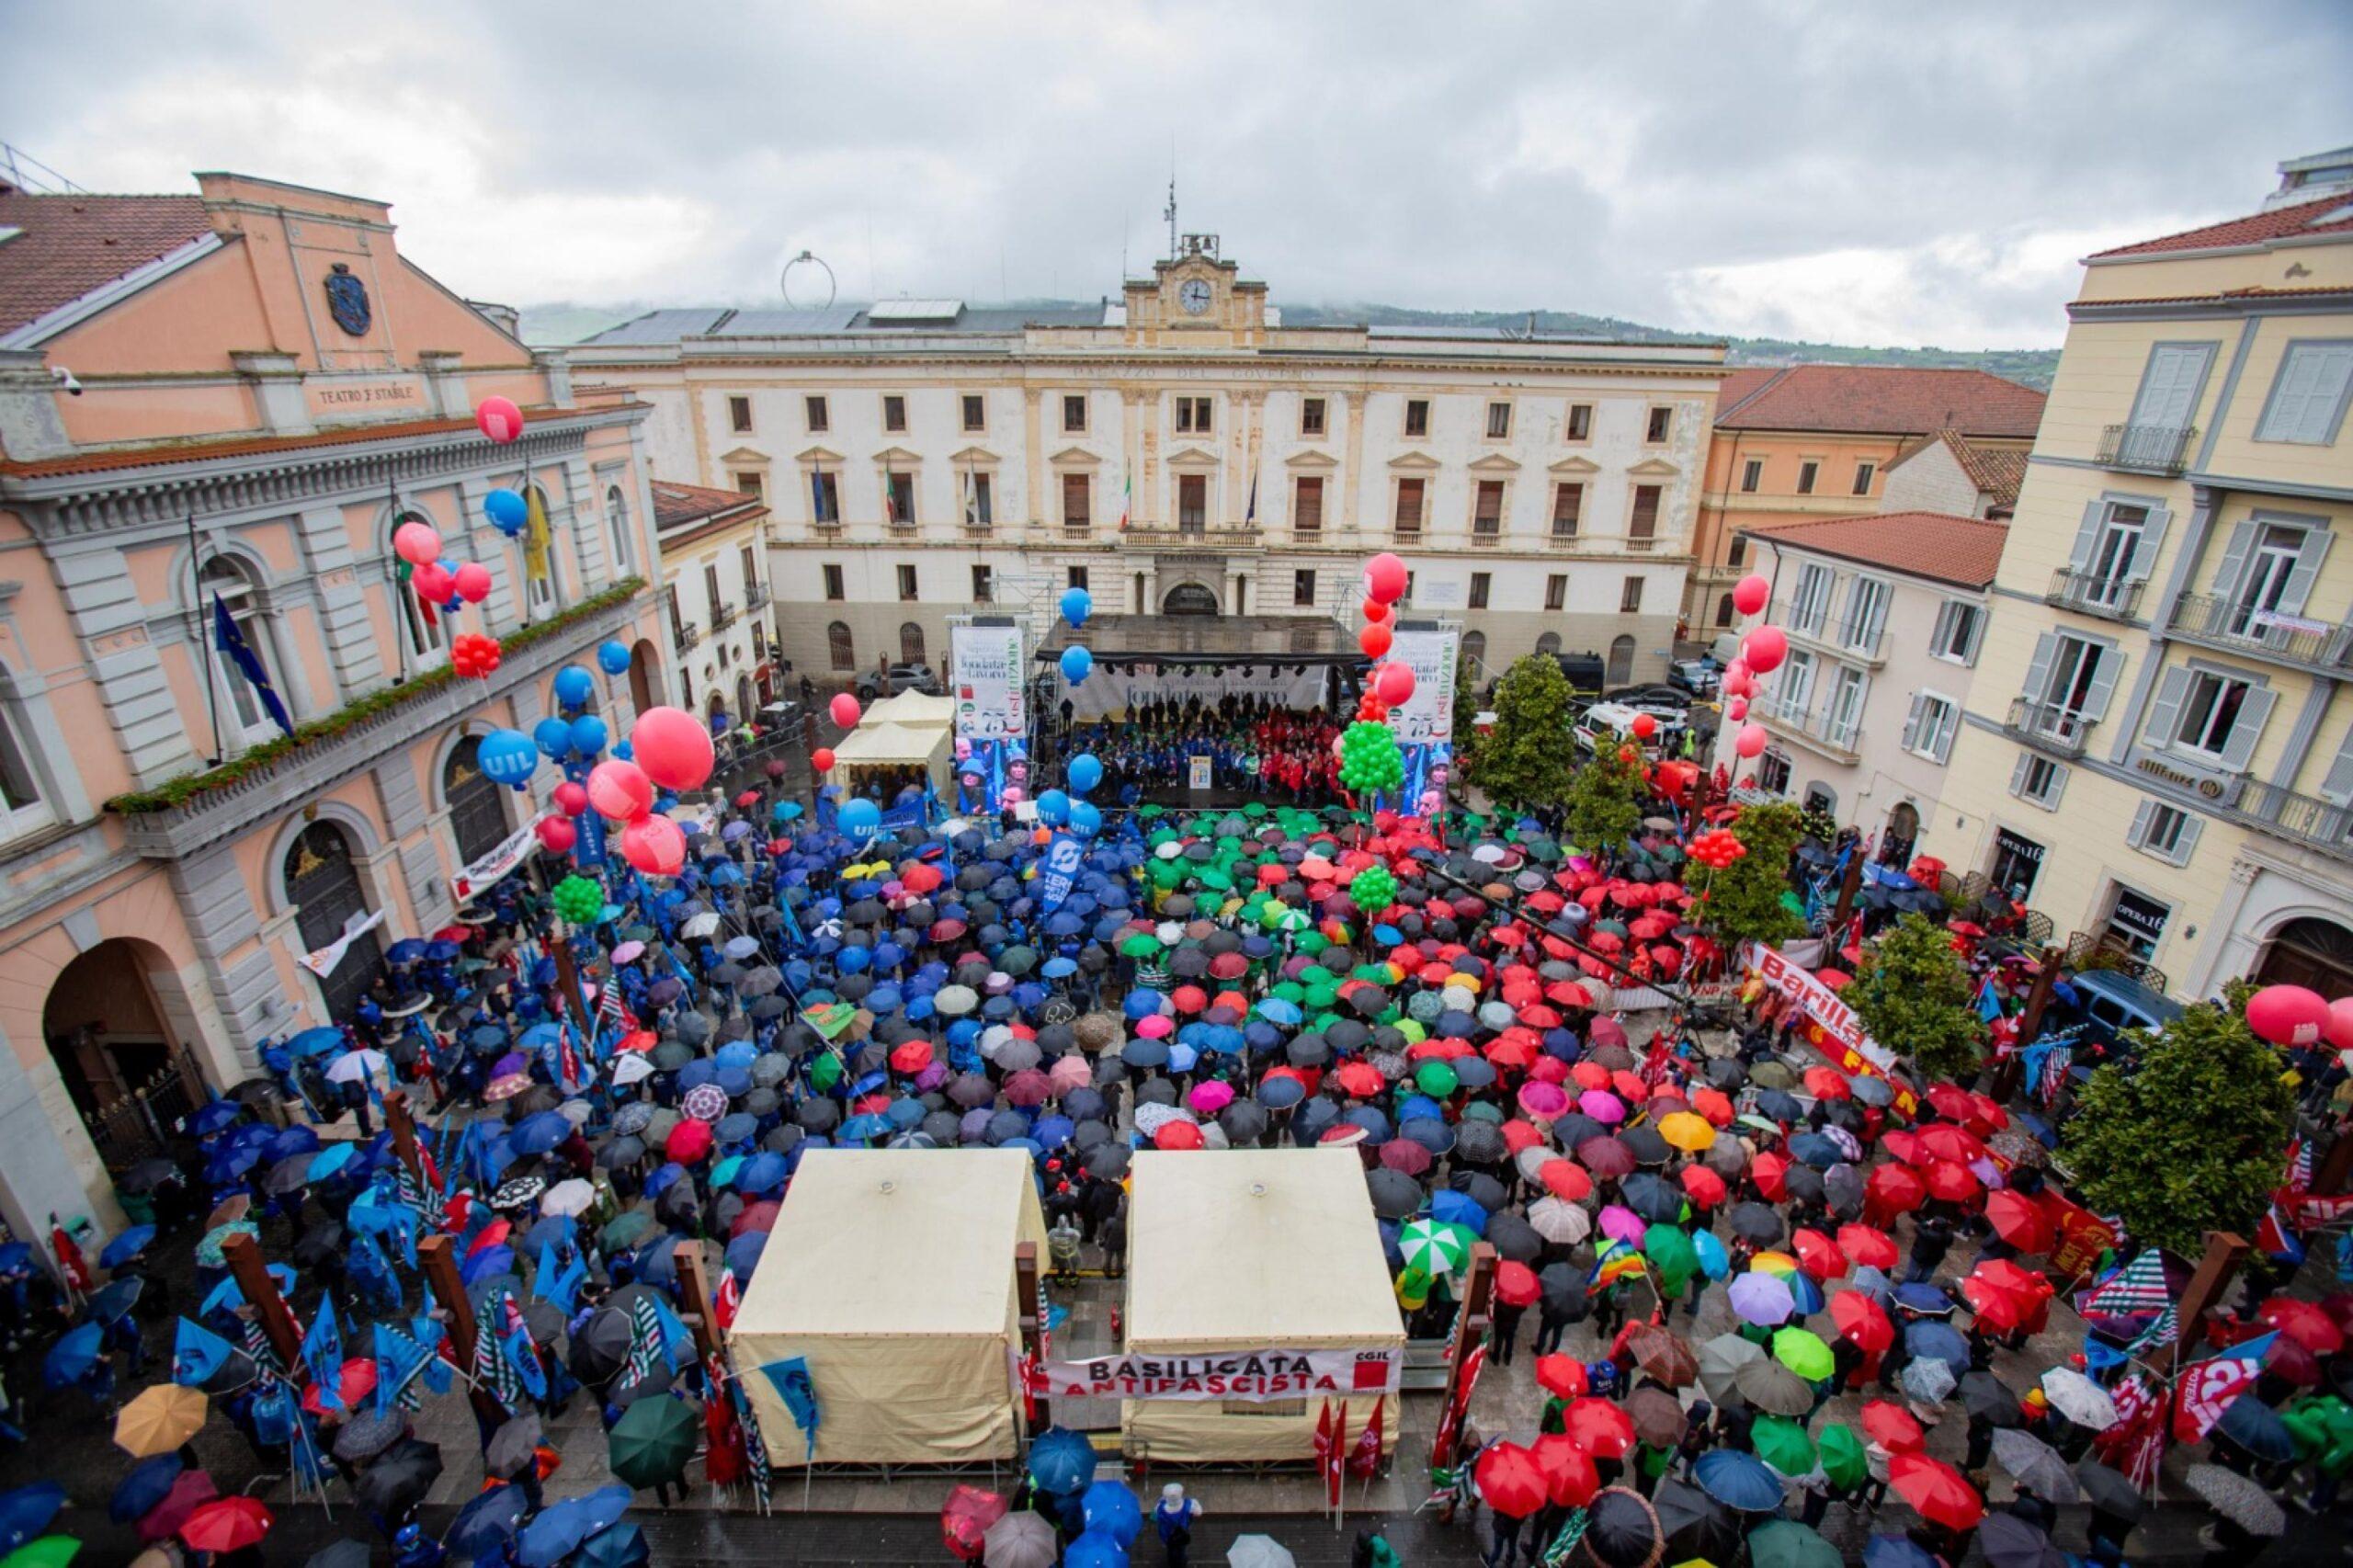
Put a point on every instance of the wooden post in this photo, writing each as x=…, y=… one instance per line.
x=1471, y=1321
x=2037, y=998
x=2225, y=1250
x=243, y=1255
x=439, y=1260
x=1848, y=886
x=567, y=974
x=1028, y=1295
x=2337, y=1169
x=694, y=1296
x=403, y=1125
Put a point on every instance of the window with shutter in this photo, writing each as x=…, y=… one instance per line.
x=2308, y=395
x=2165, y=714
x=1911, y=722
x=2169, y=385
x=2338, y=786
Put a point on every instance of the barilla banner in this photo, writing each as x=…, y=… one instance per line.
x=1249, y=1376
x=1831, y=1027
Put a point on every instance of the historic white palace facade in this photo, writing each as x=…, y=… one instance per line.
x=1181, y=452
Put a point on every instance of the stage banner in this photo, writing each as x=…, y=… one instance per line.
x=1832, y=1027
x=498, y=864
x=1108, y=695
x=1249, y=1376
x=984, y=666
x=1428, y=714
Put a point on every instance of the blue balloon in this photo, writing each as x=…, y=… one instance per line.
x=589, y=734
x=1086, y=773
x=1076, y=662
x=508, y=511
x=860, y=818
x=613, y=657
x=1054, y=808
x=623, y=750
x=507, y=756
x=1077, y=605
x=1085, y=819
x=554, y=738
x=575, y=688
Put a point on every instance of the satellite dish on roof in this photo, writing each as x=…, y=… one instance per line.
x=784, y=283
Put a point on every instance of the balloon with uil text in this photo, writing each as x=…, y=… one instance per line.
x=613, y=657
x=553, y=737
x=1086, y=772
x=1086, y=819
x=508, y=757
x=575, y=687
x=860, y=818
x=673, y=747
x=1054, y=807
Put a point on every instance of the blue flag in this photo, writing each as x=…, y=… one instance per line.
x=323, y=1354
x=792, y=1383
x=678, y=1345
x=1059, y=871
x=198, y=1353
x=524, y=1357
x=230, y=639
x=559, y=1286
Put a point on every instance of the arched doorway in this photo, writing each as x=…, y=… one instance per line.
x=1724, y=610
x=1474, y=653
x=745, y=706
x=841, y=652
x=1821, y=797
x=1903, y=833
x=1621, y=660
x=477, y=813
x=1190, y=599
x=1547, y=645
x=104, y=1028
x=644, y=676
x=910, y=643
x=2310, y=952
x=714, y=707
x=323, y=884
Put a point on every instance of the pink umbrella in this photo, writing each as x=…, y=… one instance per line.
x=933, y=1076
x=1623, y=1223
x=1602, y=1106
x=190, y=1492
x=1543, y=1101
x=1404, y=1154
x=1210, y=1097
x=1605, y=1031
x=1158, y=1026
x=1069, y=1072
x=1028, y=1087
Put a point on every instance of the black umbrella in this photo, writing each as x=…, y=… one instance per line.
x=1156, y=1091
x=510, y=1447
x=1649, y=1148
x=1695, y=1524
x=320, y=1243
x=818, y=1115
x=1478, y=1143
x=1109, y=1161
x=1983, y=1395
x=1621, y=1530
x=600, y=1346
x=400, y=1478
x=1755, y=1222
x=1244, y=1121
x=344, y=1553
x=1395, y=1195
x=2109, y=1492
x=368, y=1434
x=485, y=1523
x=1308, y=1050
x=148, y=1174
x=290, y=1174
x=623, y=1151
x=1514, y=1238
x=1564, y=1293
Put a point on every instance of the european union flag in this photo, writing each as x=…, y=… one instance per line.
x=230, y=639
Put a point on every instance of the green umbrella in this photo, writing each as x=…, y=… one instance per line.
x=1785, y=1543
x=1783, y=1443
x=1672, y=1254
x=620, y=1234
x=1436, y=1079
x=654, y=1439
x=1142, y=945
x=48, y=1552
x=1842, y=1457
x=1802, y=1352
x=208, y=1251
x=1433, y=1247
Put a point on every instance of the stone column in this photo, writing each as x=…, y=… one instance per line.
x=105, y=605
x=1033, y=457
x=1351, y=475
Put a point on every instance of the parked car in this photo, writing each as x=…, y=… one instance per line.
x=1697, y=677
x=1614, y=722
x=900, y=677
x=1584, y=671
x=2106, y=1005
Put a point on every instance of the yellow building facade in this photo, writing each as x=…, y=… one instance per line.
x=2158, y=748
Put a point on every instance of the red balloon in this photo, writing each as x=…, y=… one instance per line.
x=1644, y=726
x=571, y=799
x=2340, y=1023
x=845, y=709
x=1750, y=742
x=655, y=846
x=1379, y=614
x=619, y=790
x=1372, y=709
x=473, y=582
x=557, y=833
x=673, y=746
x=2288, y=1015
x=416, y=544
x=1736, y=710
x=1385, y=579
x=1395, y=685
x=499, y=419
x=1374, y=640
x=822, y=759
x=1766, y=647
x=1750, y=593
x=432, y=582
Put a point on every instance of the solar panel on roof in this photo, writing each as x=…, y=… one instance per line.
x=914, y=310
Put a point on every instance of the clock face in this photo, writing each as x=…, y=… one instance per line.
x=1194, y=296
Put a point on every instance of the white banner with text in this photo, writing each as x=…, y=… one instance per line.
x=1250, y=1376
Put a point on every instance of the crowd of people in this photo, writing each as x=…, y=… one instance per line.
x=1253, y=746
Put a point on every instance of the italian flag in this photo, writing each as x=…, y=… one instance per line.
x=1127, y=499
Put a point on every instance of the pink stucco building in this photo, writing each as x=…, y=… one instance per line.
x=257, y=371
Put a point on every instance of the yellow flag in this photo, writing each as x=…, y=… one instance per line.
x=535, y=537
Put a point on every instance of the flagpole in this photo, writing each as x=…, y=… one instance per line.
x=204, y=644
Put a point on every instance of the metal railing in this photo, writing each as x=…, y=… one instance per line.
x=2146, y=448
x=723, y=617
x=139, y=1122
x=2321, y=824
x=1819, y=728
x=2111, y=598
x=2048, y=726
x=685, y=637
x=2292, y=640
x=755, y=596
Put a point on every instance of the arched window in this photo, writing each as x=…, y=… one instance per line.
x=323, y=886
x=1724, y=610
x=1190, y=599
x=1621, y=660
x=839, y=648
x=1475, y=652
x=245, y=719
x=477, y=813
x=617, y=519
x=1547, y=644
x=1821, y=797
x=423, y=641
x=911, y=643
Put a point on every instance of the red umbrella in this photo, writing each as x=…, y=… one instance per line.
x=1564, y=1179
x=1590, y=1075
x=688, y=1142
x=1510, y=1482
x=912, y=1057
x=1772, y=1176
x=494, y=1233
x=1891, y=1427
x=1951, y=1101
x=965, y=1519
x=1713, y=1104
x=189, y=1492
x=355, y=1381
x=1896, y=1189
x=1515, y=1284
x=1360, y=1079
x=226, y=1524
x=1953, y=1183
x=1828, y=1084
x=1563, y=1375
x=1702, y=1186
x=1900, y=1143
x=1818, y=1255
x=1870, y=1248
x=1936, y=1492
x=2019, y=1219
x=1028, y=1087
x=2305, y=1323
x=760, y=1216
x=1605, y=1156
x=1570, y=1479
x=1519, y=1135
x=1996, y=1308
x=1599, y=1427
x=1180, y=1135
x=1940, y=1140
x=1861, y=1321
x=641, y=1039
x=1404, y=1155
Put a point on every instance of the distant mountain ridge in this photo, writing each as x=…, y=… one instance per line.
x=557, y=324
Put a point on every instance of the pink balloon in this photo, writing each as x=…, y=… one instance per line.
x=655, y=845
x=1750, y=593
x=2340, y=1023
x=1736, y=710
x=619, y=790
x=571, y=799
x=845, y=709
x=499, y=419
x=2288, y=1015
x=473, y=582
x=432, y=582
x=1394, y=685
x=1750, y=742
x=673, y=748
x=1385, y=579
x=416, y=544
x=1766, y=647
x=557, y=833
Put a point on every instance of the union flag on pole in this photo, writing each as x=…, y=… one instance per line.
x=1327, y=1438
x=1365, y=1457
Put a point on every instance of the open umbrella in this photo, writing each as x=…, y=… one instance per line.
x=1936, y=1492
x=1021, y=1539
x=2079, y=1398
x=1785, y=1543
x=227, y=1524
x=1510, y=1482
x=1773, y=1388
x=1696, y=1525
x=159, y=1420
x=26, y=1511
x=2036, y=1464
x=1739, y=1480
x=653, y=1440
x=1719, y=1359
x=1062, y=1462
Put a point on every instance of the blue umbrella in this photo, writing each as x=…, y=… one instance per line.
x=289, y=1141
x=1060, y=1461
x=1739, y=1480
x=1933, y=1341
x=744, y=1253
x=553, y=1535
x=485, y=1523
x=69, y=1359
x=215, y=1115
x=482, y=1265
x=1109, y=1507
x=27, y=1511
x=2257, y=1427
x=126, y=1246
x=148, y=1483
x=1924, y=1299
x=114, y=1301
x=1096, y=1548
x=603, y=1508
x=317, y=1041
x=1816, y=1150
x=1452, y=1208
x=1275, y=1094
x=539, y=1133
x=617, y=1546
x=331, y=1159
x=858, y=1128
x=1897, y=1552
x=763, y=1173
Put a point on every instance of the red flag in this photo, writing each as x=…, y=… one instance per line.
x=726, y=1300
x=1326, y=1441
x=1365, y=1457
x=2137, y=1442
x=2206, y=1389
x=69, y=1260
x=1336, y=1453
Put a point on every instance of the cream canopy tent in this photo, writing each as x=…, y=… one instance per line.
x=1246, y=1250
x=886, y=744
x=891, y=1272
x=914, y=711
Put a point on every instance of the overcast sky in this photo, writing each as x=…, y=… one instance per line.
x=1860, y=173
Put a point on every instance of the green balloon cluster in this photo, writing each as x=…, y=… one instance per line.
x=1369, y=760
x=1373, y=889
x=579, y=900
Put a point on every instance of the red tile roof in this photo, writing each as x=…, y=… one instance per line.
x=1996, y=472
x=1741, y=385
x=2256, y=229
x=676, y=505
x=1886, y=400
x=72, y=245
x=1961, y=550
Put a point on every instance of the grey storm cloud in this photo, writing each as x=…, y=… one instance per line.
x=1857, y=172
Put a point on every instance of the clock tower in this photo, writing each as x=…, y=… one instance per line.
x=1196, y=293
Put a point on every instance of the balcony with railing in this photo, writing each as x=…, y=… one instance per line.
x=2145, y=449
x=1559, y=541
x=2246, y=628
x=1829, y=633
x=1823, y=733
x=685, y=637
x=2049, y=727
x=2109, y=597
x=2322, y=824
x=755, y=596
x=1185, y=536
x=723, y=617
x=1486, y=539
x=1641, y=544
